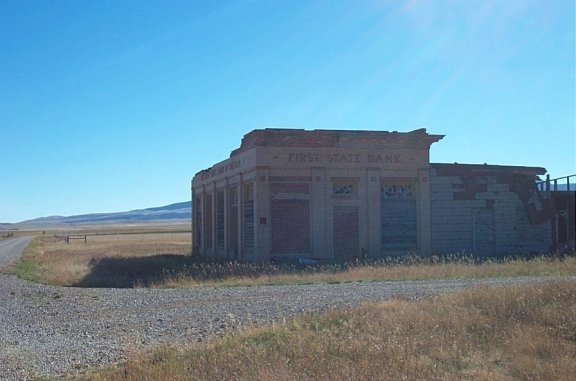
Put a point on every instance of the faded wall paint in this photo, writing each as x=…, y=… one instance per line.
x=479, y=209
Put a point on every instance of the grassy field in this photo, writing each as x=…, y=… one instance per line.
x=106, y=258
x=505, y=333
x=161, y=258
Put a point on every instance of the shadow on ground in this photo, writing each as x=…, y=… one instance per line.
x=157, y=269
x=135, y=271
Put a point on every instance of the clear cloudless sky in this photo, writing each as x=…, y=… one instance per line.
x=114, y=105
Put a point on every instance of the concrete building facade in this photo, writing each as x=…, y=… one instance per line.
x=337, y=195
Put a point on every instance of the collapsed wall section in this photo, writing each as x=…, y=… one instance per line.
x=487, y=210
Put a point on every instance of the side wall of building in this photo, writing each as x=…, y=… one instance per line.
x=483, y=213
x=224, y=209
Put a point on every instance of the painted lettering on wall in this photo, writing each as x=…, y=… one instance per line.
x=304, y=157
x=221, y=169
x=387, y=158
x=343, y=158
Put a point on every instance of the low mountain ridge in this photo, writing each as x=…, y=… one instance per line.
x=181, y=211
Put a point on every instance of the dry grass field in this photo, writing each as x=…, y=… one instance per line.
x=230, y=274
x=6, y=235
x=160, y=257
x=109, y=256
x=487, y=333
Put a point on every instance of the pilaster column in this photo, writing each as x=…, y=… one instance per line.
x=262, y=215
x=424, y=213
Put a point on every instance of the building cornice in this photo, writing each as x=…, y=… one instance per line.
x=299, y=138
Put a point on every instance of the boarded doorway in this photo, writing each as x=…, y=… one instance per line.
x=483, y=232
x=346, y=232
x=290, y=218
x=290, y=227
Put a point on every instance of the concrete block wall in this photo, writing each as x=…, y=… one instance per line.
x=481, y=214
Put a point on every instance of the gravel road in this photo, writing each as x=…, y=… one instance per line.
x=11, y=249
x=47, y=330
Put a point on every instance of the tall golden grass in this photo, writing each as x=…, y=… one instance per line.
x=162, y=260
x=503, y=333
x=228, y=274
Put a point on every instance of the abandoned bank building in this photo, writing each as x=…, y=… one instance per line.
x=325, y=195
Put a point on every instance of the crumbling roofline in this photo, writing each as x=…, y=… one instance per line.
x=447, y=169
x=279, y=137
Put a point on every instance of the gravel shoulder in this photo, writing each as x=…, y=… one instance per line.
x=48, y=330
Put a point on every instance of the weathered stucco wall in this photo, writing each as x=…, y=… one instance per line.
x=487, y=210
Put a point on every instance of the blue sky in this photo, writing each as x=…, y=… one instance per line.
x=115, y=105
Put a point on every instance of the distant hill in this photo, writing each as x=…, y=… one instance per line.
x=174, y=212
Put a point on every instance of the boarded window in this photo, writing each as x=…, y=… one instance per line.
x=398, y=211
x=198, y=221
x=220, y=220
x=208, y=221
x=249, y=216
x=343, y=187
x=233, y=222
